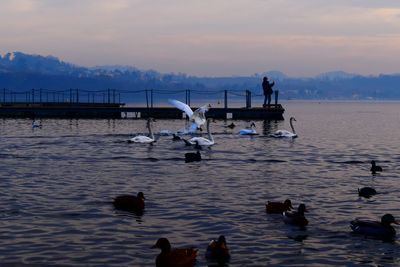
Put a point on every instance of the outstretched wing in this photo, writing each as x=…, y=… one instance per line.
x=182, y=106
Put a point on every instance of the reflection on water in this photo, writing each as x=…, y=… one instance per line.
x=58, y=183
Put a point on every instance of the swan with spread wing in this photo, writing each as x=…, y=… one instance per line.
x=197, y=117
x=201, y=141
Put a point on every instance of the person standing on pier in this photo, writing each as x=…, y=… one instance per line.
x=267, y=88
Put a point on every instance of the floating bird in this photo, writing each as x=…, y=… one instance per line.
x=201, y=141
x=251, y=131
x=176, y=137
x=197, y=117
x=380, y=230
x=366, y=192
x=285, y=133
x=190, y=157
x=177, y=257
x=375, y=168
x=36, y=125
x=278, y=207
x=130, y=203
x=296, y=217
x=231, y=126
x=217, y=250
x=142, y=138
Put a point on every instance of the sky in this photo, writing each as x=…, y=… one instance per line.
x=210, y=37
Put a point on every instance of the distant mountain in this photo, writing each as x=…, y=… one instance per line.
x=22, y=72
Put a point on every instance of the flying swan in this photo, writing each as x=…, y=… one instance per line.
x=142, y=138
x=285, y=133
x=197, y=117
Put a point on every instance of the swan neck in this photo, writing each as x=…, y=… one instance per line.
x=210, y=137
x=291, y=126
x=150, y=131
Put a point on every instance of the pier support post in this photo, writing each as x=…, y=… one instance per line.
x=248, y=99
x=151, y=98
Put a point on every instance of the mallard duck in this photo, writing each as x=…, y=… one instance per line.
x=366, y=192
x=278, y=207
x=375, y=168
x=177, y=257
x=190, y=157
x=130, y=203
x=218, y=250
x=296, y=217
x=380, y=230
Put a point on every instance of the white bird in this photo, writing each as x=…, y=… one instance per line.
x=201, y=141
x=251, y=131
x=197, y=117
x=142, y=138
x=285, y=133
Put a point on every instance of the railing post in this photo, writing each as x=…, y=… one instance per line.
x=33, y=95
x=147, y=99
x=77, y=95
x=189, y=97
x=4, y=95
x=276, y=97
x=226, y=99
x=108, y=95
x=113, y=96
x=151, y=98
x=40, y=95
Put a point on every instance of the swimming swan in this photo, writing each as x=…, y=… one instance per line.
x=201, y=141
x=142, y=138
x=285, y=133
x=251, y=131
x=197, y=117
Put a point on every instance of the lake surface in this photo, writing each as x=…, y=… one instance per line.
x=57, y=184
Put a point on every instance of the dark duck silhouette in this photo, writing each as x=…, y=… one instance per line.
x=177, y=257
x=366, y=192
x=130, y=203
x=230, y=126
x=217, y=250
x=176, y=137
x=278, y=207
x=296, y=217
x=374, y=168
x=190, y=157
x=380, y=230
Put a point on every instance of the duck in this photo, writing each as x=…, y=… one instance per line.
x=197, y=117
x=218, y=250
x=251, y=131
x=190, y=157
x=176, y=137
x=285, y=133
x=230, y=126
x=380, y=230
x=201, y=141
x=177, y=257
x=278, y=207
x=375, y=168
x=366, y=192
x=142, y=138
x=296, y=217
x=130, y=203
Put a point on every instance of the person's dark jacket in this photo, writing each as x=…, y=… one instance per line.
x=267, y=87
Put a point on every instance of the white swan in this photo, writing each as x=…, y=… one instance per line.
x=251, y=131
x=285, y=133
x=197, y=117
x=142, y=138
x=201, y=141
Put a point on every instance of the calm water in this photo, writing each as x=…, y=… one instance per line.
x=57, y=183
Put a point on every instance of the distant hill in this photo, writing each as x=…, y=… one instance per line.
x=21, y=72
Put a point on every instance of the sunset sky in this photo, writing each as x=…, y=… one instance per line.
x=210, y=37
